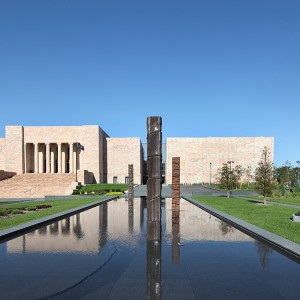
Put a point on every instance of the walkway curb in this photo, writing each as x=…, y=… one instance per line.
x=281, y=244
x=18, y=230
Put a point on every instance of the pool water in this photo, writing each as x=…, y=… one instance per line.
x=104, y=253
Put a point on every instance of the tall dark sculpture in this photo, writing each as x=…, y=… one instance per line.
x=130, y=181
x=175, y=181
x=154, y=157
x=154, y=170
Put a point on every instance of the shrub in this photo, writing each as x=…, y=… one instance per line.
x=276, y=194
x=17, y=212
x=3, y=212
x=43, y=206
x=31, y=208
x=114, y=194
x=282, y=190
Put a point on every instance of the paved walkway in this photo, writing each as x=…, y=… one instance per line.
x=141, y=191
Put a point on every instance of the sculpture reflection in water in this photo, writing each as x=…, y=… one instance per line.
x=176, y=235
x=153, y=266
x=130, y=198
x=102, y=225
x=176, y=210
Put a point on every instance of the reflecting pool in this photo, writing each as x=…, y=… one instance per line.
x=103, y=253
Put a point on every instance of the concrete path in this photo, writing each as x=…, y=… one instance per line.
x=141, y=191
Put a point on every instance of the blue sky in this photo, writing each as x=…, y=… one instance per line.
x=209, y=68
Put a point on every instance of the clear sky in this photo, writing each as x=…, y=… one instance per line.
x=208, y=67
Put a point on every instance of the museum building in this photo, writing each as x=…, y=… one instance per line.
x=93, y=156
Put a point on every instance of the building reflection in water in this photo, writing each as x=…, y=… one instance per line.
x=65, y=226
x=87, y=232
x=77, y=229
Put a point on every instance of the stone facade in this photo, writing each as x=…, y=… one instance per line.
x=2, y=154
x=120, y=153
x=52, y=149
x=200, y=158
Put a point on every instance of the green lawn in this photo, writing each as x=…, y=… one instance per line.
x=273, y=218
x=57, y=207
x=294, y=201
x=104, y=187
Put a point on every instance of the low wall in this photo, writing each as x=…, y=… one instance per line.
x=86, y=177
x=5, y=175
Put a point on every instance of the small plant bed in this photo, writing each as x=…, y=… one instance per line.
x=22, y=213
x=9, y=212
x=273, y=218
x=103, y=189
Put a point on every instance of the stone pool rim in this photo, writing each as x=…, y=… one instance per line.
x=280, y=244
x=18, y=230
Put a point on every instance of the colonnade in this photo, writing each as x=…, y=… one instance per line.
x=51, y=158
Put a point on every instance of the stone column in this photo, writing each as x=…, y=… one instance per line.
x=71, y=159
x=52, y=159
x=59, y=163
x=36, y=158
x=47, y=157
x=41, y=158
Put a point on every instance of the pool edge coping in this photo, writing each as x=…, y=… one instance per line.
x=18, y=230
x=281, y=244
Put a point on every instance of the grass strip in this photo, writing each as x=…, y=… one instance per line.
x=104, y=186
x=273, y=218
x=57, y=207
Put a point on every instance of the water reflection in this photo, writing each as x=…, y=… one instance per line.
x=66, y=226
x=102, y=225
x=225, y=228
x=78, y=233
x=198, y=225
x=153, y=255
x=264, y=252
x=77, y=229
x=130, y=213
x=107, y=252
x=176, y=231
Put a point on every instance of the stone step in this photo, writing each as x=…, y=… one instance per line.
x=37, y=185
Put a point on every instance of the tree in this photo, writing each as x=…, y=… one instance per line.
x=227, y=178
x=264, y=175
x=238, y=172
x=287, y=175
x=249, y=175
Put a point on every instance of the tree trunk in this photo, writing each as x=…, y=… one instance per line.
x=227, y=193
x=265, y=200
